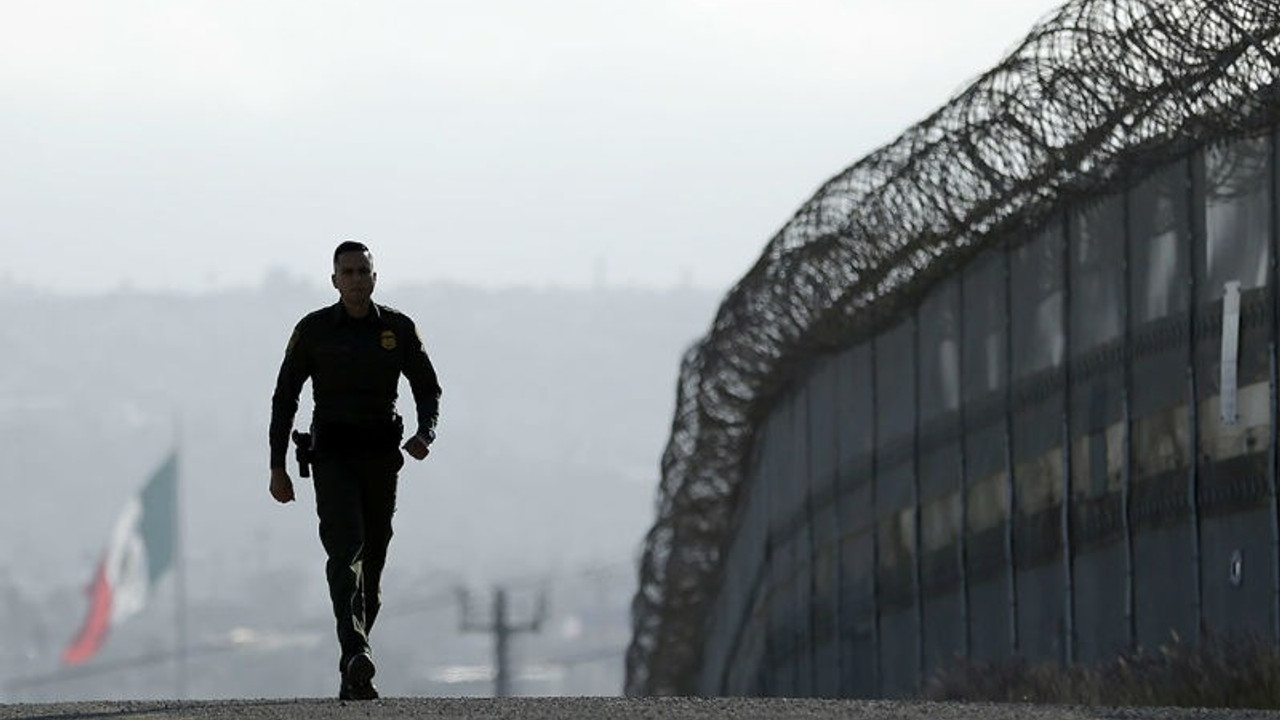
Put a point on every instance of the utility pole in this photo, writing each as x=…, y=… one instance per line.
x=502, y=631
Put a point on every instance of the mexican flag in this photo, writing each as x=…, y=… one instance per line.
x=138, y=553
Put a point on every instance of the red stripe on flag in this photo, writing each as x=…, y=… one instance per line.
x=96, y=623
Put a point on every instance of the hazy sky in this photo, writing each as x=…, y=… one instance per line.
x=164, y=144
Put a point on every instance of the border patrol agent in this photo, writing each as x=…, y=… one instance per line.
x=354, y=352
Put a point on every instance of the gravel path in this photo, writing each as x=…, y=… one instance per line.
x=647, y=709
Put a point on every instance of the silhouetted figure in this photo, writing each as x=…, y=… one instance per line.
x=354, y=352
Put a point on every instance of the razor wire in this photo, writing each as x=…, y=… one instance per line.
x=1098, y=89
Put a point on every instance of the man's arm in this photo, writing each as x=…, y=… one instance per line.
x=294, y=371
x=426, y=392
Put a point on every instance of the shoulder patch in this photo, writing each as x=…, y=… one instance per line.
x=293, y=340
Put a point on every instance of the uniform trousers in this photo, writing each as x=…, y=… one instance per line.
x=355, y=499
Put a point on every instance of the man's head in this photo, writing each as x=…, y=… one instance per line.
x=353, y=275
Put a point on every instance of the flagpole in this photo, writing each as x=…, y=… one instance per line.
x=180, y=561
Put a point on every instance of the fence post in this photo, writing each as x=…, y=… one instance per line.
x=963, y=549
x=1196, y=242
x=875, y=522
x=1272, y=419
x=1011, y=495
x=917, y=535
x=1126, y=410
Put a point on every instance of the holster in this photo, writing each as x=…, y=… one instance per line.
x=303, y=452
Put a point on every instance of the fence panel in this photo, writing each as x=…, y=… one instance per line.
x=984, y=368
x=941, y=478
x=824, y=427
x=800, y=544
x=784, y=489
x=1166, y=578
x=895, y=508
x=859, y=651
x=1099, y=531
x=742, y=623
x=1232, y=357
x=1037, y=345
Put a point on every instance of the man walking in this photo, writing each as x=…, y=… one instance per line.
x=354, y=352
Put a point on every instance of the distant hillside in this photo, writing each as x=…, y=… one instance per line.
x=556, y=407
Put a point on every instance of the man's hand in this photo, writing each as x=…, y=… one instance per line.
x=418, y=447
x=281, y=485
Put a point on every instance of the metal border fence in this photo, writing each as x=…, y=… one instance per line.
x=845, y=504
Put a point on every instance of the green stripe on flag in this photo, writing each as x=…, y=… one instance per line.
x=159, y=523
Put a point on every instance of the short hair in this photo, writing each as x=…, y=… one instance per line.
x=347, y=246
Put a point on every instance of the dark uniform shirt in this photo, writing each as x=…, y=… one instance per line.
x=355, y=366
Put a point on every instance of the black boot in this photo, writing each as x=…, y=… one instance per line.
x=357, y=679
